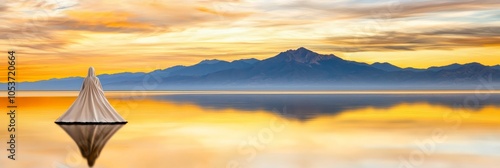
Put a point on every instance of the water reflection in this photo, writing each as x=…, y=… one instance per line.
x=303, y=106
x=193, y=131
x=91, y=138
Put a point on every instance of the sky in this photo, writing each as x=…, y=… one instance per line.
x=57, y=39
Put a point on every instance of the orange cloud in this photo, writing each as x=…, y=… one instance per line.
x=106, y=19
x=222, y=12
x=132, y=35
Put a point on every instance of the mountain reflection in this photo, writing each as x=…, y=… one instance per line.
x=304, y=106
x=91, y=138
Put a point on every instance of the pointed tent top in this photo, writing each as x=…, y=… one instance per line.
x=91, y=71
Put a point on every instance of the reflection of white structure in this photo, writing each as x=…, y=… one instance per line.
x=91, y=138
x=91, y=106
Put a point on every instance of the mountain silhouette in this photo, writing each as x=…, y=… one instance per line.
x=292, y=69
x=447, y=67
x=295, y=66
x=205, y=67
x=386, y=66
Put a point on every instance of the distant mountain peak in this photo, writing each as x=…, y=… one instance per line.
x=473, y=64
x=300, y=50
x=304, y=55
x=249, y=60
x=381, y=63
x=210, y=61
x=304, y=49
x=386, y=66
x=450, y=67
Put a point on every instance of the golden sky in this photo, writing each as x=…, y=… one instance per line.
x=56, y=39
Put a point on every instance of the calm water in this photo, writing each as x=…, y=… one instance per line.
x=206, y=130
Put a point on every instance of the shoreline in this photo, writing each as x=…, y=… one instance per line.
x=50, y=93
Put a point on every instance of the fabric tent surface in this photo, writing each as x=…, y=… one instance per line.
x=91, y=106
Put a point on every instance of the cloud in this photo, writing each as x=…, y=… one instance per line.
x=3, y=8
x=139, y=33
x=443, y=39
x=147, y=18
x=117, y=22
x=488, y=31
x=391, y=10
x=224, y=14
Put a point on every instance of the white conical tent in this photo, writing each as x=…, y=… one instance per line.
x=91, y=106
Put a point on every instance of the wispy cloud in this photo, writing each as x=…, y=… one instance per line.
x=443, y=39
x=391, y=9
x=170, y=32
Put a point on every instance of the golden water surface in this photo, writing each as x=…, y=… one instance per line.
x=172, y=129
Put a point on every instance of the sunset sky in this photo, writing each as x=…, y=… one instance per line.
x=56, y=38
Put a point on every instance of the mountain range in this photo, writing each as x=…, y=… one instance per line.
x=293, y=69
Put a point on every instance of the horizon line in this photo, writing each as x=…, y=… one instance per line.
x=33, y=93
x=321, y=54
